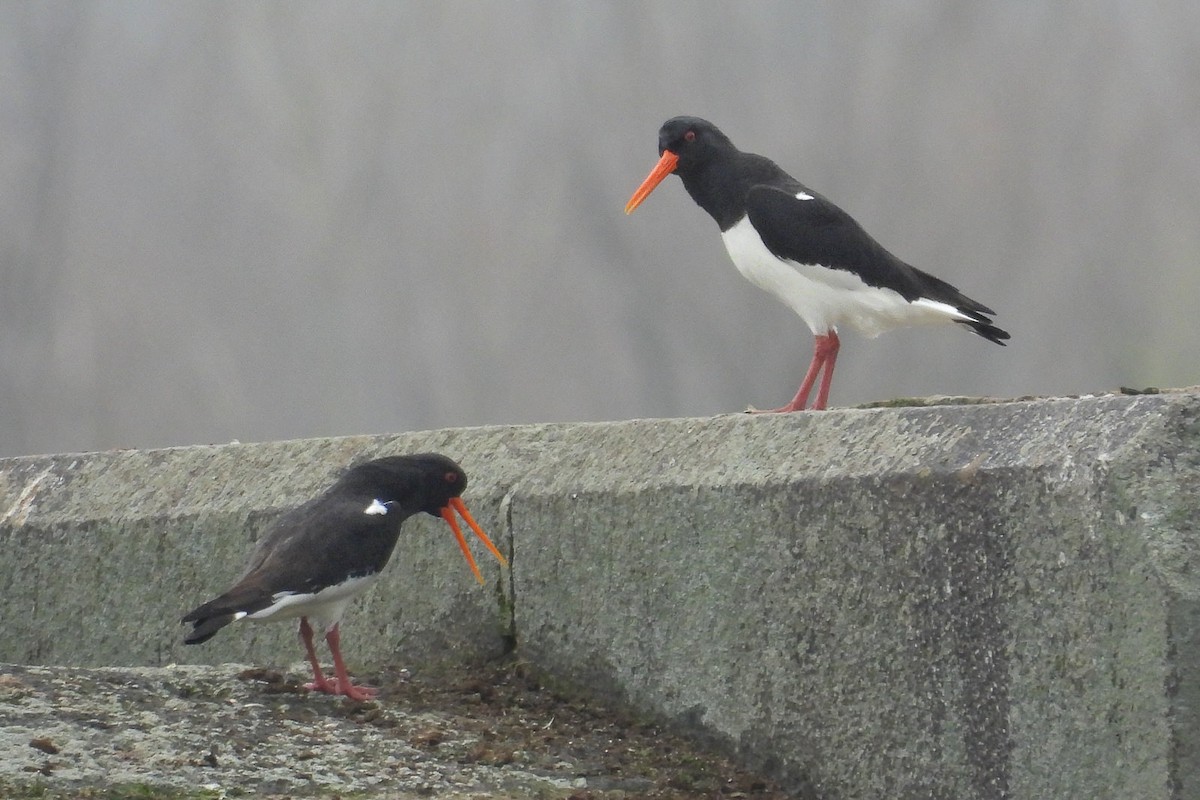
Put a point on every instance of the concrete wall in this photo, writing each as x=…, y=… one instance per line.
x=960, y=601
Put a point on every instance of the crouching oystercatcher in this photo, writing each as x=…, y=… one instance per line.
x=318, y=557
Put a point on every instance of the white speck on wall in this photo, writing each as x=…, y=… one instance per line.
x=25, y=503
x=376, y=507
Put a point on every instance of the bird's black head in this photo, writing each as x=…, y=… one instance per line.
x=693, y=140
x=685, y=145
x=425, y=482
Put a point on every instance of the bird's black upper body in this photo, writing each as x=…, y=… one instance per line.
x=731, y=185
x=334, y=538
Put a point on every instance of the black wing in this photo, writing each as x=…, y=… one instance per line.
x=818, y=232
x=317, y=545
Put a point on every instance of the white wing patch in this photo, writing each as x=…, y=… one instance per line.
x=376, y=507
x=804, y=196
x=942, y=308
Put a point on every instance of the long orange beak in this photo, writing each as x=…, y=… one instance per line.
x=664, y=167
x=456, y=504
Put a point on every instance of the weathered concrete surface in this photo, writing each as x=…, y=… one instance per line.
x=482, y=731
x=972, y=601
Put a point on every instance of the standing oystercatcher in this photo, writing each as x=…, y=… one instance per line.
x=792, y=242
x=317, y=558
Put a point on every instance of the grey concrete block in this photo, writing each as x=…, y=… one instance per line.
x=964, y=601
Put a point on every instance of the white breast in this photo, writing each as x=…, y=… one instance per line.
x=826, y=298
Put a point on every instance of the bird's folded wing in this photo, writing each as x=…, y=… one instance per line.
x=815, y=231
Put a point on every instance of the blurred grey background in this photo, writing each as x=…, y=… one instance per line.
x=261, y=220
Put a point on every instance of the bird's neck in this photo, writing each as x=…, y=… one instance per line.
x=720, y=185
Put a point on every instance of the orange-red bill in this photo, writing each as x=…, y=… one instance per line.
x=456, y=504
x=664, y=167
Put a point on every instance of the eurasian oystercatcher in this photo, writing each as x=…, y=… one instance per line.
x=792, y=242
x=318, y=557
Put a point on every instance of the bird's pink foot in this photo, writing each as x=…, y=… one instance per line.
x=781, y=410
x=322, y=685
x=825, y=350
x=335, y=686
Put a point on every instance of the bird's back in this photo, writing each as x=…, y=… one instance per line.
x=321, y=544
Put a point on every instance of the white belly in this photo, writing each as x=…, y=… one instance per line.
x=325, y=607
x=826, y=298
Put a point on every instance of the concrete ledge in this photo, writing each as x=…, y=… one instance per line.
x=973, y=601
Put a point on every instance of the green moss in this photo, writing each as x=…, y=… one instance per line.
x=923, y=402
x=133, y=791
x=136, y=791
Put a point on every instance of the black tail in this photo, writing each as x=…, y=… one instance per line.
x=986, y=329
x=205, y=628
x=980, y=315
x=245, y=598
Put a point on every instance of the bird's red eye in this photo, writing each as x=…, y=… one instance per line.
x=451, y=477
x=690, y=136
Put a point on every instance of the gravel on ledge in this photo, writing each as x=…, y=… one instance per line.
x=489, y=731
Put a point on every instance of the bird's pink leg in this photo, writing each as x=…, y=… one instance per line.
x=341, y=684
x=825, y=350
x=829, y=349
x=319, y=682
x=344, y=684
